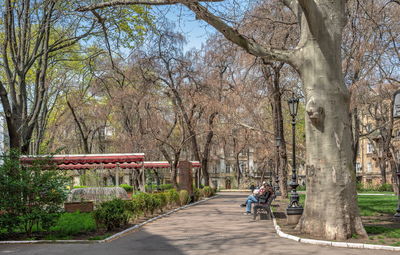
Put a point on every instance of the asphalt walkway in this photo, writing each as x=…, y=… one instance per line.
x=217, y=226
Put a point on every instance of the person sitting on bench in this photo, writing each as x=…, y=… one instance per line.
x=264, y=189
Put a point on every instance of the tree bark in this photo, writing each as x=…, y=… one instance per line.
x=331, y=209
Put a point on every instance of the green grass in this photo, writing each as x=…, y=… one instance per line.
x=74, y=223
x=383, y=232
x=375, y=192
x=375, y=205
x=372, y=205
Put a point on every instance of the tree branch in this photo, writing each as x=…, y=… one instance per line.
x=234, y=36
x=146, y=2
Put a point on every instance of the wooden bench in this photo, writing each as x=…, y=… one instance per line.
x=262, y=208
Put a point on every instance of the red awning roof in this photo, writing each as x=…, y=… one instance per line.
x=101, y=161
x=88, y=158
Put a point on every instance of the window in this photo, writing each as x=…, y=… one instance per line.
x=370, y=148
x=369, y=167
x=228, y=168
x=358, y=167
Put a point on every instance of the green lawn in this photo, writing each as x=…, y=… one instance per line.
x=372, y=205
x=68, y=225
x=375, y=205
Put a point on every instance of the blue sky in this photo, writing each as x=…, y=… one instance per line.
x=195, y=31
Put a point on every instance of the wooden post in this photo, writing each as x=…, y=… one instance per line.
x=117, y=176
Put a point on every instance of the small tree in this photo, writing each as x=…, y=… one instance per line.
x=30, y=195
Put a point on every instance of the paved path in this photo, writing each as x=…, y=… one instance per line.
x=215, y=227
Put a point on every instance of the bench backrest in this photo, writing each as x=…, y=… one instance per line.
x=264, y=198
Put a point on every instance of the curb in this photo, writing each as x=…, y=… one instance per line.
x=331, y=243
x=113, y=237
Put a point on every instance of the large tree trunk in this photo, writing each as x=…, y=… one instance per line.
x=331, y=209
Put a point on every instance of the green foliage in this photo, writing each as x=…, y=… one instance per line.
x=74, y=223
x=197, y=194
x=173, y=197
x=163, y=199
x=80, y=187
x=30, y=195
x=373, y=188
x=112, y=214
x=142, y=202
x=184, y=197
x=301, y=188
x=126, y=187
x=161, y=187
x=208, y=191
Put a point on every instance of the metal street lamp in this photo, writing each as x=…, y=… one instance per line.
x=396, y=114
x=278, y=143
x=294, y=207
x=270, y=165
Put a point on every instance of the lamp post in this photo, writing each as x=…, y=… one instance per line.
x=396, y=114
x=278, y=142
x=270, y=164
x=294, y=210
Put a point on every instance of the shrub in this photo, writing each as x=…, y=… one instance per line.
x=74, y=223
x=184, y=197
x=385, y=187
x=196, y=194
x=155, y=203
x=369, y=187
x=208, y=191
x=163, y=200
x=142, y=202
x=161, y=187
x=112, y=214
x=30, y=195
x=173, y=197
x=126, y=187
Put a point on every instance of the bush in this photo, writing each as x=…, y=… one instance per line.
x=196, y=194
x=112, y=214
x=142, y=202
x=385, y=187
x=184, y=197
x=163, y=200
x=74, y=223
x=369, y=187
x=30, y=195
x=173, y=197
x=161, y=187
x=208, y=191
x=126, y=187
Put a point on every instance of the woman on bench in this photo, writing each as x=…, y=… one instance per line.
x=264, y=191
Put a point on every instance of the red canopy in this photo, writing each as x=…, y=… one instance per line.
x=145, y=164
x=87, y=158
x=102, y=161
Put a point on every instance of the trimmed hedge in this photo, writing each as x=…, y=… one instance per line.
x=116, y=213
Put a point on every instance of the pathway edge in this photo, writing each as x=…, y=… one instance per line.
x=331, y=243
